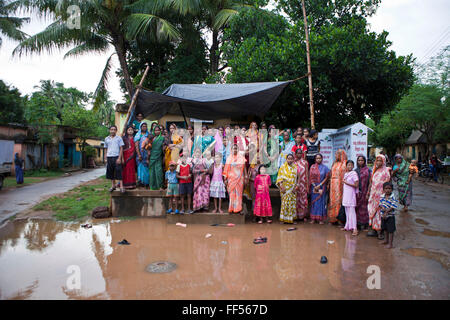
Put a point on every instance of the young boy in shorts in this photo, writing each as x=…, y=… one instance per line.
x=184, y=174
x=172, y=188
x=388, y=205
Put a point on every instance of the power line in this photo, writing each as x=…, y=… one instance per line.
x=432, y=49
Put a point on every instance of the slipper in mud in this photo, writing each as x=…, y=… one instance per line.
x=87, y=225
x=124, y=241
x=323, y=259
x=260, y=240
x=291, y=229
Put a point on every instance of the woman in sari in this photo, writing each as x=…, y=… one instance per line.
x=202, y=181
x=129, y=155
x=172, y=152
x=336, y=185
x=272, y=154
x=318, y=177
x=285, y=148
x=142, y=138
x=287, y=183
x=252, y=138
x=302, y=184
x=364, y=174
x=234, y=174
x=157, y=146
x=18, y=168
x=404, y=181
x=202, y=141
x=381, y=174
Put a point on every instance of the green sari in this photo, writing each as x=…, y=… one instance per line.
x=155, y=165
x=404, y=188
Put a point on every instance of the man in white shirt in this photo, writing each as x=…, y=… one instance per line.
x=114, y=154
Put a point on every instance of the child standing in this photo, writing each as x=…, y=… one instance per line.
x=114, y=154
x=263, y=207
x=217, y=188
x=184, y=174
x=172, y=188
x=351, y=183
x=413, y=168
x=387, y=207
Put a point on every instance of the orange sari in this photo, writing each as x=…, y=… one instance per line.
x=234, y=173
x=337, y=184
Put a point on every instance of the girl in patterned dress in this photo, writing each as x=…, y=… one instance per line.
x=217, y=188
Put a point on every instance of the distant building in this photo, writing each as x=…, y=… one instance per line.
x=62, y=152
x=416, y=147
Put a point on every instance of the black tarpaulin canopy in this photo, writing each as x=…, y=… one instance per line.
x=211, y=101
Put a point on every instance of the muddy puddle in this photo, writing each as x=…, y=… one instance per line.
x=435, y=233
x=436, y=256
x=39, y=259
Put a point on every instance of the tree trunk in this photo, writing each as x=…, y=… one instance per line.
x=214, y=53
x=119, y=45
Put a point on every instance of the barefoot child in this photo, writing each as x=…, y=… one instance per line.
x=184, y=174
x=351, y=183
x=114, y=155
x=172, y=188
x=263, y=207
x=217, y=188
x=387, y=207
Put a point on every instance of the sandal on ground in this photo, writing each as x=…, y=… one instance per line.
x=269, y=221
x=321, y=222
x=122, y=190
x=260, y=222
x=112, y=189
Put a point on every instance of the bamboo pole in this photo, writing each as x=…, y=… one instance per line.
x=308, y=60
x=133, y=101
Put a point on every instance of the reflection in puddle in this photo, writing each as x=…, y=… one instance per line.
x=35, y=256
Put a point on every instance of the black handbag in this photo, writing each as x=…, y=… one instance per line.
x=341, y=216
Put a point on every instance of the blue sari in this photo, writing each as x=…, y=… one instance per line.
x=143, y=174
x=203, y=142
x=18, y=168
x=317, y=173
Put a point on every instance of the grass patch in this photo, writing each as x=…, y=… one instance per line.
x=43, y=173
x=11, y=181
x=78, y=202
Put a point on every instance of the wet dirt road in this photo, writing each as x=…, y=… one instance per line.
x=35, y=256
x=16, y=200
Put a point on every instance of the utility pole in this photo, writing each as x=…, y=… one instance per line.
x=308, y=61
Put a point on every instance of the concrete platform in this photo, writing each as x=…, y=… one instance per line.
x=139, y=202
x=154, y=203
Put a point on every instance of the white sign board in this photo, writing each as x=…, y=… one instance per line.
x=352, y=139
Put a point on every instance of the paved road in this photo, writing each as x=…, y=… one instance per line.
x=16, y=200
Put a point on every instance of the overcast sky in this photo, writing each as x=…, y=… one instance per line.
x=415, y=26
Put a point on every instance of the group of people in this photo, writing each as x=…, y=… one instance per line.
x=198, y=164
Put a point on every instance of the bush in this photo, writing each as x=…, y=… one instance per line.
x=90, y=151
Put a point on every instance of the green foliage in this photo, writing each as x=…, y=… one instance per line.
x=424, y=108
x=322, y=13
x=10, y=25
x=11, y=105
x=354, y=73
x=90, y=151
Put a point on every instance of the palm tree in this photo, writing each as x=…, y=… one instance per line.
x=9, y=26
x=103, y=24
x=214, y=13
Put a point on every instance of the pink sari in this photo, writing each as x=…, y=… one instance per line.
x=263, y=207
x=379, y=177
x=302, y=188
